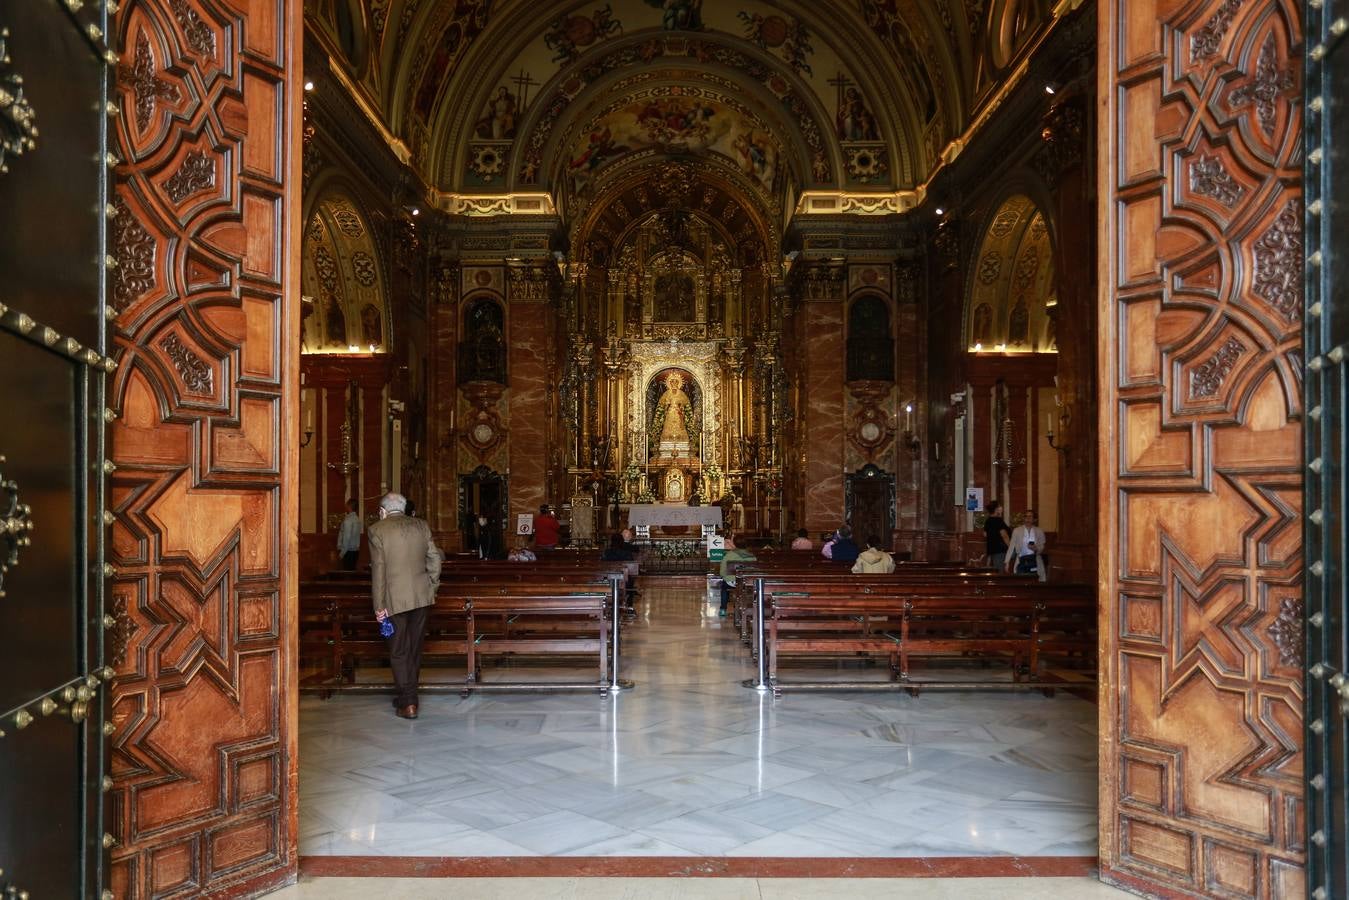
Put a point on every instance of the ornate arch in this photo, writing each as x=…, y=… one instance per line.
x=344, y=300
x=1010, y=297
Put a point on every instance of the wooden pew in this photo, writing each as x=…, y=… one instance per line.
x=496, y=609
x=956, y=615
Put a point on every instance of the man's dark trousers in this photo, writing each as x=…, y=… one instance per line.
x=349, y=559
x=405, y=653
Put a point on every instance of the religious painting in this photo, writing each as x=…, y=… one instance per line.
x=695, y=121
x=679, y=15
x=675, y=298
x=854, y=120
x=482, y=353
x=674, y=400
x=498, y=119
x=773, y=32
x=568, y=35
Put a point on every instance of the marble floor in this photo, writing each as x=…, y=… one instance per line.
x=1079, y=888
x=691, y=764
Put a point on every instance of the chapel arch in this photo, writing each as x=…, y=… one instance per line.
x=344, y=299
x=1011, y=298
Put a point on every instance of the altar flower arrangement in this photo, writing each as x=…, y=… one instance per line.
x=712, y=471
x=646, y=496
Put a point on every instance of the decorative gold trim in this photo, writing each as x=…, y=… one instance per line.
x=531, y=203
x=856, y=203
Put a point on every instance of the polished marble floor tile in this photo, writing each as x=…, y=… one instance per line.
x=692, y=763
x=355, y=888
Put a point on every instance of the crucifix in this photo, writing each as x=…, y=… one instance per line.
x=841, y=82
x=523, y=82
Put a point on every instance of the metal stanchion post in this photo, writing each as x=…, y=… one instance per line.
x=760, y=680
x=615, y=683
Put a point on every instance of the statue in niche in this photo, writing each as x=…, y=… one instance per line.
x=983, y=323
x=334, y=321
x=372, y=329
x=1018, y=326
x=675, y=297
x=310, y=336
x=673, y=419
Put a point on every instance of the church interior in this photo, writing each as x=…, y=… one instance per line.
x=658, y=314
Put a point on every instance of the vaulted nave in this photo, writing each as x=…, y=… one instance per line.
x=665, y=447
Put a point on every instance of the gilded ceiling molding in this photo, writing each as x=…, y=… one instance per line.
x=533, y=203
x=833, y=203
x=362, y=102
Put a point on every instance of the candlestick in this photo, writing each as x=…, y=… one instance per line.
x=309, y=419
x=1049, y=423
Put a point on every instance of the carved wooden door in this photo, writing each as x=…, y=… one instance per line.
x=1327, y=324
x=53, y=183
x=1201, y=766
x=870, y=505
x=206, y=328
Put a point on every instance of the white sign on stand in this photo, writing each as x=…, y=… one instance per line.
x=524, y=523
x=716, y=547
x=709, y=531
x=644, y=532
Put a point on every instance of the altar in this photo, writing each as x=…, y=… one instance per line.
x=663, y=514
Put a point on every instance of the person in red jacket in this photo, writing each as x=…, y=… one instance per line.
x=546, y=529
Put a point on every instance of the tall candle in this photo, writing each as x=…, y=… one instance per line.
x=1049, y=423
x=309, y=419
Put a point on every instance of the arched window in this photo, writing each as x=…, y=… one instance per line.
x=871, y=349
x=482, y=352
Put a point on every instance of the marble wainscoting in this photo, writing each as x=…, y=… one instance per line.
x=825, y=408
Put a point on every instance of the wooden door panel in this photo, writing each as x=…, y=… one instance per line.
x=203, y=762
x=1201, y=715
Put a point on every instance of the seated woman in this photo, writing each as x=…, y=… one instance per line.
x=873, y=560
x=521, y=552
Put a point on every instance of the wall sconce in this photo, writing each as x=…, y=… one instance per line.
x=308, y=427
x=910, y=435
x=1065, y=418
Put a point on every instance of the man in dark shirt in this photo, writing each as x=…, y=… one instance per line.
x=845, y=548
x=996, y=535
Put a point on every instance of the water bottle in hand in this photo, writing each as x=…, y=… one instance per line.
x=386, y=627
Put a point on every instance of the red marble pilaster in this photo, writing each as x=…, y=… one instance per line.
x=527, y=411
x=825, y=405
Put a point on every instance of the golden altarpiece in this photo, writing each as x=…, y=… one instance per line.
x=680, y=401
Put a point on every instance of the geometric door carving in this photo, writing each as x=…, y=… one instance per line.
x=203, y=751
x=1201, y=527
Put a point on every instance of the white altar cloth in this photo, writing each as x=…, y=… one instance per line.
x=659, y=514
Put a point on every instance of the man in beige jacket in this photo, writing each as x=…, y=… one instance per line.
x=404, y=575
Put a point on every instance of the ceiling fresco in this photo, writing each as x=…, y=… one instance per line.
x=851, y=94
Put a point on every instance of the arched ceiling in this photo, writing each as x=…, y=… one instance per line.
x=504, y=95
